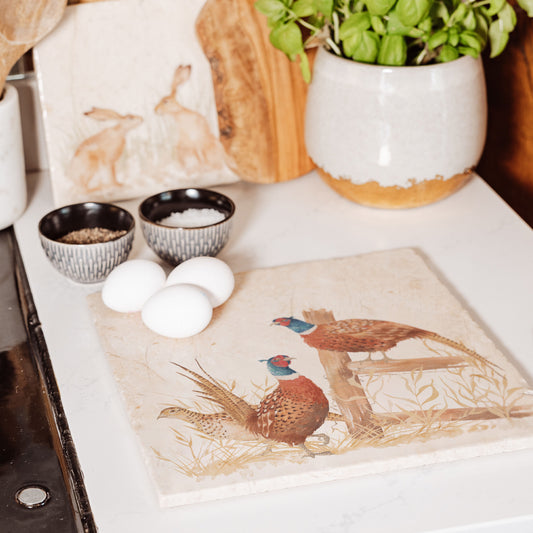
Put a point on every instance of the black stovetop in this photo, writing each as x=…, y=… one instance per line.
x=41, y=484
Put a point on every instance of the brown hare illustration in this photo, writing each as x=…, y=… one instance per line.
x=197, y=149
x=93, y=164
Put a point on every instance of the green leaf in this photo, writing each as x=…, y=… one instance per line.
x=467, y=51
x=469, y=22
x=378, y=25
x=395, y=25
x=273, y=9
x=318, y=21
x=495, y=6
x=304, y=67
x=498, y=38
x=426, y=25
x=350, y=44
x=437, y=39
x=508, y=18
x=325, y=7
x=304, y=8
x=453, y=36
x=527, y=6
x=288, y=38
x=355, y=23
x=379, y=7
x=393, y=51
x=459, y=14
x=441, y=11
x=411, y=12
x=447, y=53
x=471, y=39
x=415, y=33
x=482, y=27
x=367, y=50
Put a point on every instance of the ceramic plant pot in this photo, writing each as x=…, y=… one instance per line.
x=396, y=137
x=12, y=171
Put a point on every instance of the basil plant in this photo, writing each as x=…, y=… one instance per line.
x=390, y=32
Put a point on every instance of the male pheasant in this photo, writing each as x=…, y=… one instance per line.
x=363, y=335
x=289, y=414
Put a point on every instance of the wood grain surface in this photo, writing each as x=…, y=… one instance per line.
x=346, y=387
x=260, y=94
x=22, y=25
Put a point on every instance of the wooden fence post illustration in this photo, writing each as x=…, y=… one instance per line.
x=345, y=384
x=356, y=411
x=369, y=366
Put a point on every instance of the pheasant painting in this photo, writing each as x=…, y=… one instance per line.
x=364, y=335
x=289, y=414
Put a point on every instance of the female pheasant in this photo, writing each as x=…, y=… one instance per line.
x=363, y=335
x=289, y=414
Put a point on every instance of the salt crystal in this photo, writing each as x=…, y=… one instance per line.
x=192, y=218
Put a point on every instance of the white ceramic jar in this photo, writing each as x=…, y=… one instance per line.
x=12, y=171
x=396, y=136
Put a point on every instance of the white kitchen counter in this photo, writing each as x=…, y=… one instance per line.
x=477, y=245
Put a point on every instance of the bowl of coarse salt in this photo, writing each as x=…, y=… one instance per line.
x=184, y=223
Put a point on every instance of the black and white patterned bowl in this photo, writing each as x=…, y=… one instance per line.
x=86, y=263
x=174, y=244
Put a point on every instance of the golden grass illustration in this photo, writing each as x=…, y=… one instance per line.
x=423, y=407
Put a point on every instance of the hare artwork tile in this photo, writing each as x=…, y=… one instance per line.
x=312, y=372
x=128, y=102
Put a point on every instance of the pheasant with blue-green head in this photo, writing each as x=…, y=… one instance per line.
x=289, y=414
x=365, y=335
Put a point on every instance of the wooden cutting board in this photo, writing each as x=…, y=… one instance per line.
x=260, y=95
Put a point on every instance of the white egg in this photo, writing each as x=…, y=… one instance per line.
x=211, y=274
x=177, y=311
x=131, y=283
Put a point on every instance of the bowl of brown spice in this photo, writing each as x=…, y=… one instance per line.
x=86, y=241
